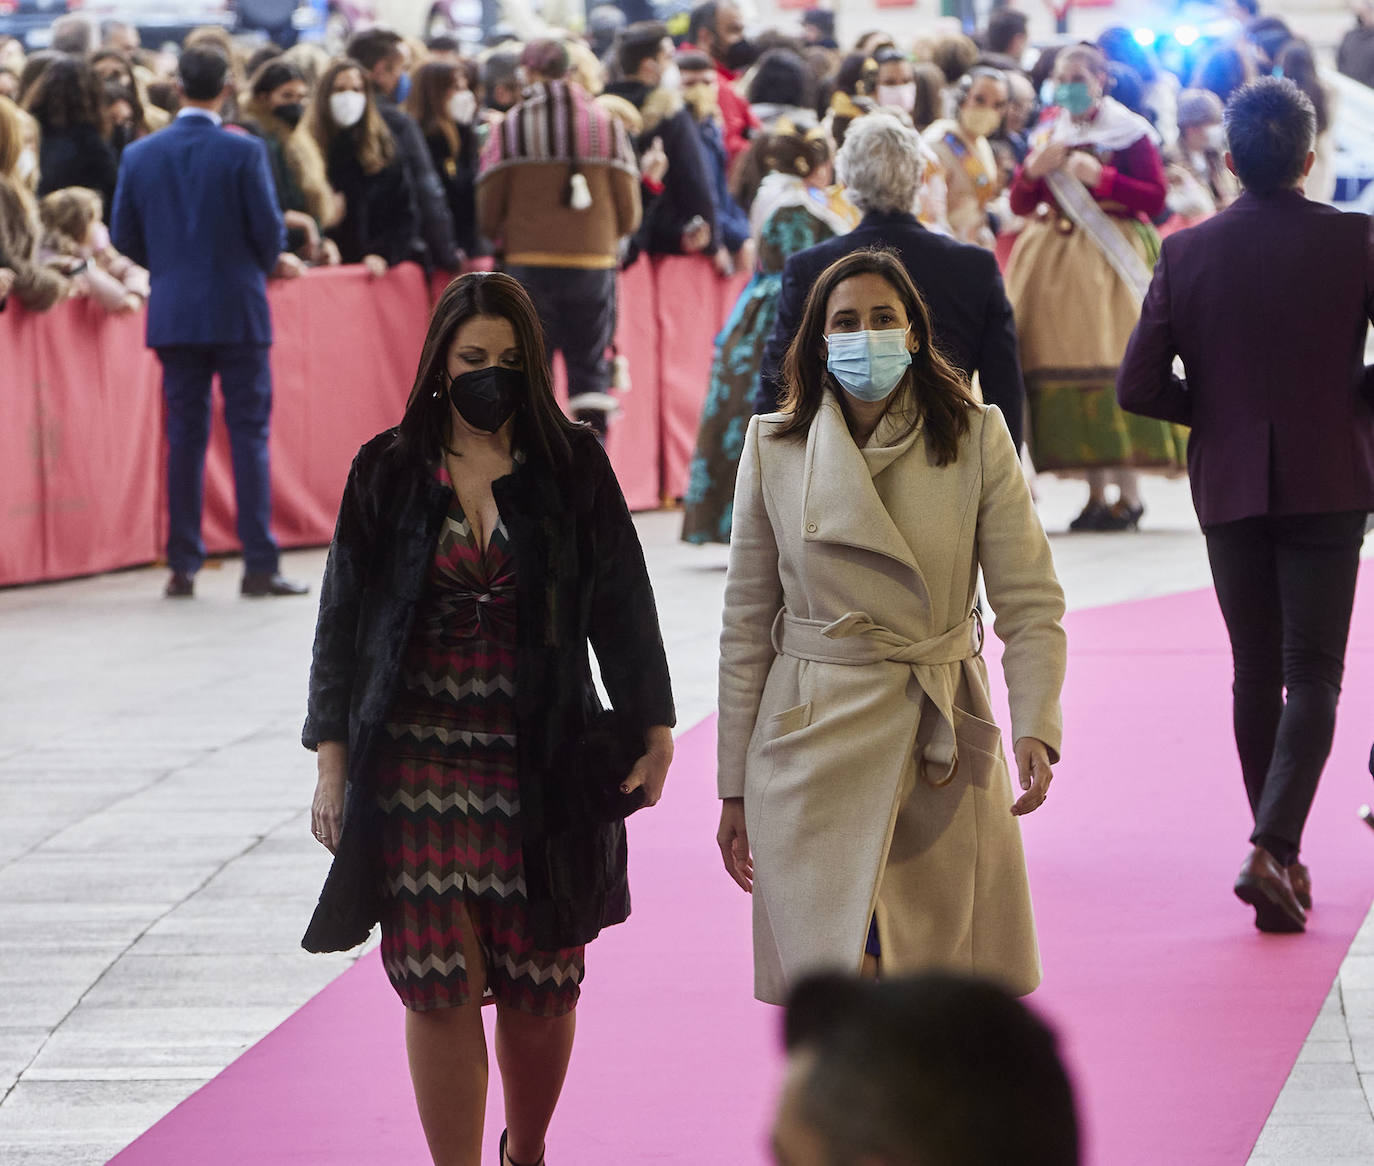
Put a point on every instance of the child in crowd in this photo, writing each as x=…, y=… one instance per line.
x=76, y=243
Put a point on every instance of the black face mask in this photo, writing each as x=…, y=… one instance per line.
x=740, y=55
x=121, y=135
x=486, y=397
x=291, y=113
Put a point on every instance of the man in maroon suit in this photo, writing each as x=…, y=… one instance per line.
x=1268, y=304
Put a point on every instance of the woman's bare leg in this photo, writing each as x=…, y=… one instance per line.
x=533, y=1054
x=1097, y=487
x=447, y=1048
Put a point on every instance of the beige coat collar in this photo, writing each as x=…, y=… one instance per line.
x=842, y=504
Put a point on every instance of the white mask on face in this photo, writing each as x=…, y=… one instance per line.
x=462, y=106
x=671, y=80
x=901, y=97
x=27, y=164
x=347, y=107
x=1215, y=138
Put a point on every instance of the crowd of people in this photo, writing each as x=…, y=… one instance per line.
x=713, y=143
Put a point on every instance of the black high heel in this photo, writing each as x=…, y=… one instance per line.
x=1120, y=516
x=507, y=1160
x=1093, y=517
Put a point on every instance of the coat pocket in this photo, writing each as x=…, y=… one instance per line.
x=788, y=721
x=975, y=733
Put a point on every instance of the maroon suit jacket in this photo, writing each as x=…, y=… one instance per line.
x=1267, y=303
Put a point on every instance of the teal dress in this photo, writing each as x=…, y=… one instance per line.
x=709, y=501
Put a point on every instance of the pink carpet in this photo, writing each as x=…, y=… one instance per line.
x=1181, y=1022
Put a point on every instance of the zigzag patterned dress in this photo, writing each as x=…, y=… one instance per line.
x=447, y=784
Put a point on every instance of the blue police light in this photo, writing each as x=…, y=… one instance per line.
x=1145, y=37
x=1186, y=35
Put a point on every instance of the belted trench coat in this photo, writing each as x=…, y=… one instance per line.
x=855, y=715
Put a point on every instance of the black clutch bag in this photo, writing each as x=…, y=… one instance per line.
x=606, y=753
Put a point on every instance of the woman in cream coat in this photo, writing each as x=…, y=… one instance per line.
x=858, y=757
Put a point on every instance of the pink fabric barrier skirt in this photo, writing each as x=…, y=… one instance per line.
x=81, y=447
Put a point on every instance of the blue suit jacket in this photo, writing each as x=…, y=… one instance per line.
x=962, y=288
x=195, y=205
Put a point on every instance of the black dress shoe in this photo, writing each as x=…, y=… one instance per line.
x=259, y=583
x=1265, y=886
x=180, y=586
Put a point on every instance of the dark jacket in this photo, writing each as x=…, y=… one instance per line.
x=687, y=185
x=580, y=577
x=1355, y=57
x=1267, y=304
x=197, y=208
x=436, y=224
x=458, y=176
x=732, y=224
x=379, y=209
x=77, y=156
x=961, y=285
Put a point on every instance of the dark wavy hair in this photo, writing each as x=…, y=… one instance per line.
x=541, y=428
x=939, y=392
x=67, y=94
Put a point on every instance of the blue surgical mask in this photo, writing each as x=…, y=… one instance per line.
x=869, y=365
x=1075, y=96
x=402, y=89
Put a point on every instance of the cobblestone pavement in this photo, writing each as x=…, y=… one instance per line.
x=156, y=865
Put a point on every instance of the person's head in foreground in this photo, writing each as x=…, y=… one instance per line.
x=1271, y=125
x=866, y=335
x=933, y=1070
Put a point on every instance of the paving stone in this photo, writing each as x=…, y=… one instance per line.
x=181, y=980
x=1326, y=1052
x=1336, y=1139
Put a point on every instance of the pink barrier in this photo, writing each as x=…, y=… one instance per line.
x=81, y=410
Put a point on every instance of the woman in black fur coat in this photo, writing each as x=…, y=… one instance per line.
x=471, y=788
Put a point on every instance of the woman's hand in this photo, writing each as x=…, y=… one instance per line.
x=733, y=837
x=1046, y=160
x=7, y=278
x=376, y=266
x=653, y=163
x=1084, y=167
x=329, y=254
x=326, y=811
x=651, y=770
x=1034, y=772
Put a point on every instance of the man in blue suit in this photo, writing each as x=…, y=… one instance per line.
x=195, y=205
x=882, y=164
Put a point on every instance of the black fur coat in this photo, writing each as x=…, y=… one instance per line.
x=580, y=577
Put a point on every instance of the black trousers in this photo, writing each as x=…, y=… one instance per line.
x=577, y=309
x=1286, y=585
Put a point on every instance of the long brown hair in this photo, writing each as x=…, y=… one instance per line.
x=939, y=392
x=540, y=425
x=427, y=102
x=373, y=143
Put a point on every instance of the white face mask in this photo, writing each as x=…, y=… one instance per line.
x=462, y=106
x=671, y=80
x=27, y=164
x=901, y=97
x=1215, y=138
x=347, y=107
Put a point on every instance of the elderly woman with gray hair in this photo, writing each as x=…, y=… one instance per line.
x=882, y=164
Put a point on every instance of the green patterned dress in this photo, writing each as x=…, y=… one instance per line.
x=710, y=497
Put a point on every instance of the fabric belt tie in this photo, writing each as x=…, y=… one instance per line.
x=855, y=639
